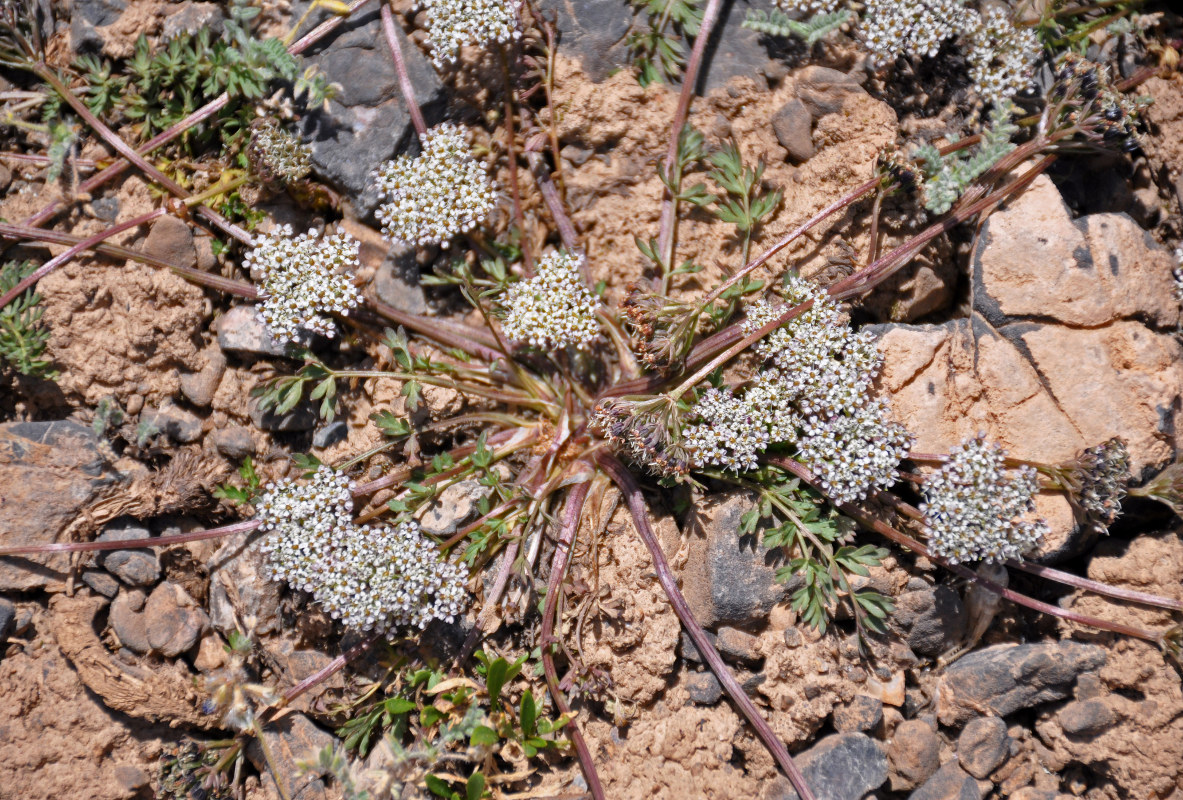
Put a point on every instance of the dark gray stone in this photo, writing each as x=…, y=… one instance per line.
x=689, y=651
x=330, y=434
x=934, y=618
x=368, y=122
x=862, y=713
x=843, y=766
x=50, y=472
x=7, y=616
x=126, y=618
x=98, y=12
x=739, y=646
x=982, y=746
x=593, y=31
x=105, y=208
x=729, y=578
x=292, y=740
x=174, y=622
x=1003, y=679
x=179, y=425
x=301, y=418
x=950, y=782
x=914, y=754
x=101, y=582
x=242, y=330
x=1086, y=717
x=234, y=442
x=704, y=688
x=397, y=281
x=793, y=126
x=133, y=567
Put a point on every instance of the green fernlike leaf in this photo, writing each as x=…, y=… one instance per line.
x=23, y=338
x=776, y=23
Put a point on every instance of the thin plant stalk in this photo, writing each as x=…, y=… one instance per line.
x=558, y=570
x=631, y=491
x=511, y=157
x=400, y=69
x=669, y=205
x=85, y=244
x=132, y=544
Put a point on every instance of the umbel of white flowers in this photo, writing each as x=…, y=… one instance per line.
x=303, y=279
x=974, y=504
x=372, y=578
x=813, y=392
x=554, y=308
x=441, y=193
x=454, y=23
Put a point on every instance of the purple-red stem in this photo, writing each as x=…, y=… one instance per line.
x=400, y=69
x=669, y=206
x=329, y=669
x=131, y=544
x=554, y=587
x=85, y=244
x=511, y=153
x=636, y=503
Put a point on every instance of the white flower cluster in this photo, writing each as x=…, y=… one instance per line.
x=813, y=394
x=277, y=155
x=301, y=280
x=453, y=23
x=554, y=308
x=808, y=7
x=441, y=193
x=370, y=577
x=973, y=503
x=893, y=28
x=1001, y=56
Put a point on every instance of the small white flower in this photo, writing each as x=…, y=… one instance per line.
x=554, y=308
x=892, y=28
x=453, y=23
x=441, y=193
x=302, y=280
x=973, y=504
x=1001, y=56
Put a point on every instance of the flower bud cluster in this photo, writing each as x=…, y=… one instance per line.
x=301, y=281
x=553, y=309
x=813, y=393
x=974, y=504
x=275, y=155
x=372, y=578
x=1100, y=476
x=441, y=193
x=454, y=23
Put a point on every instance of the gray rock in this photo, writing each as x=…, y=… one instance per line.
x=1086, y=717
x=594, y=31
x=179, y=425
x=1003, y=679
x=397, y=281
x=199, y=387
x=950, y=782
x=704, y=688
x=191, y=18
x=50, y=473
x=863, y=713
x=301, y=418
x=171, y=240
x=104, y=208
x=914, y=754
x=127, y=621
x=101, y=582
x=133, y=567
x=242, y=330
x=7, y=617
x=843, y=766
x=330, y=434
x=455, y=506
x=823, y=90
x=687, y=648
x=292, y=740
x=240, y=594
x=174, y=621
x=368, y=123
x=793, y=126
x=98, y=12
x=934, y=619
x=982, y=746
x=739, y=646
x=234, y=442
x=728, y=578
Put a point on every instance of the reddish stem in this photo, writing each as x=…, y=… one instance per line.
x=554, y=204
x=636, y=503
x=558, y=569
x=669, y=206
x=400, y=69
x=446, y=333
x=132, y=544
x=511, y=154
x=329, y=669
